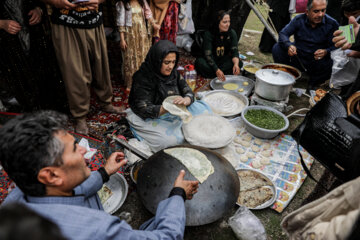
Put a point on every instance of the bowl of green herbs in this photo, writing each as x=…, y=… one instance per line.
x=263, y=121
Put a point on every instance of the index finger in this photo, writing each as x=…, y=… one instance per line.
x=338, y=32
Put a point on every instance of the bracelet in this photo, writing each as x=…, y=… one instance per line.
x=178, y=191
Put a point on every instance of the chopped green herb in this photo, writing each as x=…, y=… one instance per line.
x=265, y=119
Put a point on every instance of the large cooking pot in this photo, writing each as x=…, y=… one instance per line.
x=285, y=68
x=273, y=84
x=215, y=197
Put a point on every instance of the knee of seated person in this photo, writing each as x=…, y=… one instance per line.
x=165, y=142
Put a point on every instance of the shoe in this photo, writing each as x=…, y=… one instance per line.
x=81, y=126
x=111, y=109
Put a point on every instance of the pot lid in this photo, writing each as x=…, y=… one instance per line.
x=275, y=77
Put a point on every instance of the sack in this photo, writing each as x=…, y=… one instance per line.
x=344, y=69
x=331, y=137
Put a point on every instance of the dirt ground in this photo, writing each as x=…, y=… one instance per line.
x=271, y=220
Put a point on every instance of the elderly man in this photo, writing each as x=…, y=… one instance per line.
x=313, y=42
x=49, y=169
x=80, y=46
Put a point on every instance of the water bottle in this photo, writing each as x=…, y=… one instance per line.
x=190, y=76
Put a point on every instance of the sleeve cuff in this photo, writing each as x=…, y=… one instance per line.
x=105, y=177
x=178, y=191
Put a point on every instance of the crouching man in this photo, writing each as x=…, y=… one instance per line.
x=52, y=179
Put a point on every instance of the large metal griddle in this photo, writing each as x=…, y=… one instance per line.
x=215, y=197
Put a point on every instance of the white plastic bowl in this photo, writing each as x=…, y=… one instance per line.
x=262, y=132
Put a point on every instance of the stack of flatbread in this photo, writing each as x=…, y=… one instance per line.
x=255, y=189
x=176, y=109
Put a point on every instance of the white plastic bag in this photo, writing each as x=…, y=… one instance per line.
x=246, y=225
x=344, y=70
x=186, y=24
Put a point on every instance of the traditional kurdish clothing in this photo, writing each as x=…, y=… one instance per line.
x=219, y=49
x=131, y=21
x=149, y=90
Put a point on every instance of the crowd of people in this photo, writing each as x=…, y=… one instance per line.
x=41, y=63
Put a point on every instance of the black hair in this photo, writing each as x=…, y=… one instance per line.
x=18, y=222
x=127, y=3
x=309, y=4
x=28, y=144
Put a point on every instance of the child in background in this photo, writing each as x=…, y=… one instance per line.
x=135, y=39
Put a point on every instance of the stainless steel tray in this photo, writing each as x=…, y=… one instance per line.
x=238, y=80
x=237, y=95
x=119, y=187
x=269, y=202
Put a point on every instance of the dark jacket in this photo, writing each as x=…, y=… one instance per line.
x=150, y=87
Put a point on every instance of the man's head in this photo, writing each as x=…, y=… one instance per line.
x=351, y=8
x=38, y=154
x=315, y=11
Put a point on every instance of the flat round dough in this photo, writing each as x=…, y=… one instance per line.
x=223, y=103
x=240, y=150
x=209, y=130
x=243, y=158
x=266, y=153
x=247, y=137
x=266, y=146
x=255, y=148
x=230, y=86
x=237, y=140
x=238, y=131
x=265, y=161
x=258, y=141
x=245, y=143
x=256, y=164
x=250, y=154
x=176, y=109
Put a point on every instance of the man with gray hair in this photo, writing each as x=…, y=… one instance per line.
x=53, y=180
x=312, y=32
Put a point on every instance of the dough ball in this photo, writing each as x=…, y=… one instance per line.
x=238, y=140
x=240, y=150
x=266, y=146
x=247, y=137
x=240, y=90
x=251, y=154
x=245, y=83
x=258, y=141
x=238, y=131
x=265, y=161
x=256, y=164
x=245, y=143
x=266, y=153
x=255, y=148
x=243, y=158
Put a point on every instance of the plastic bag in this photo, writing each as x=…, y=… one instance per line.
x=246, y=225
x=186, y=24
x=344, y=69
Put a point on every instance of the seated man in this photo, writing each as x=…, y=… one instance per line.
x=49, y=169
x=313, y=42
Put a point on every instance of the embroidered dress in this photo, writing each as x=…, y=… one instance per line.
x=169, y=26
x=138, y=44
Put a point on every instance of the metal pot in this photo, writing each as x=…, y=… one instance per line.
x=273, y=84
x=285, y=68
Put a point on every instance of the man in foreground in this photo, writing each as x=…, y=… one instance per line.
x=313, y=43
x=49, y=169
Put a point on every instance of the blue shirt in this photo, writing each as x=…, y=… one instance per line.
x=307, y=38
x=81, y=216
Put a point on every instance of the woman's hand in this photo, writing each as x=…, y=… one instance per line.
x=186, y=101
x=123, y=45
x=10, y=26
x=162, y=111
x=236, y=69
x=35, y=16
x=220, y=75
x=156, y=26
